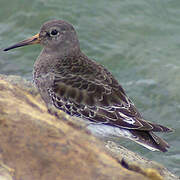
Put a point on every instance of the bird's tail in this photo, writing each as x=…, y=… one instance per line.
x=158, y=127
x=149, y=140
x=143, y=137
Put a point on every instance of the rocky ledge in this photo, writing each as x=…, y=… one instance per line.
x=35, y=145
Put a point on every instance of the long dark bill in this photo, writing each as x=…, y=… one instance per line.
x=33, y=40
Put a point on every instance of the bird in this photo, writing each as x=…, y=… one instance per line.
x=70, y=81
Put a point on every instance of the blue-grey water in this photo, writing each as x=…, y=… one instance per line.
x=137, y=40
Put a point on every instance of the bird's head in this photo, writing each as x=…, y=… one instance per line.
x=55, y=35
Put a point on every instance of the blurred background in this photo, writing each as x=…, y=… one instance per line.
x=138, y=41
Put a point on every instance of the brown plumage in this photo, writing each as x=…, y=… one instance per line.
x=70, y=81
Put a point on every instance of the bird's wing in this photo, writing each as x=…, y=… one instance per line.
x=97, y=97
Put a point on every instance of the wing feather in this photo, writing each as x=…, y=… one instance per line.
x=96, y=102
x=89, y=91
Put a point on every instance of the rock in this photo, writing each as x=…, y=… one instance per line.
x=36, y=145
x=136, y=162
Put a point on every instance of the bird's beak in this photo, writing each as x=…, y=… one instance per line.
x=33, y=40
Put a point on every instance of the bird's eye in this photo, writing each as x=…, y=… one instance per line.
x=54, y=32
